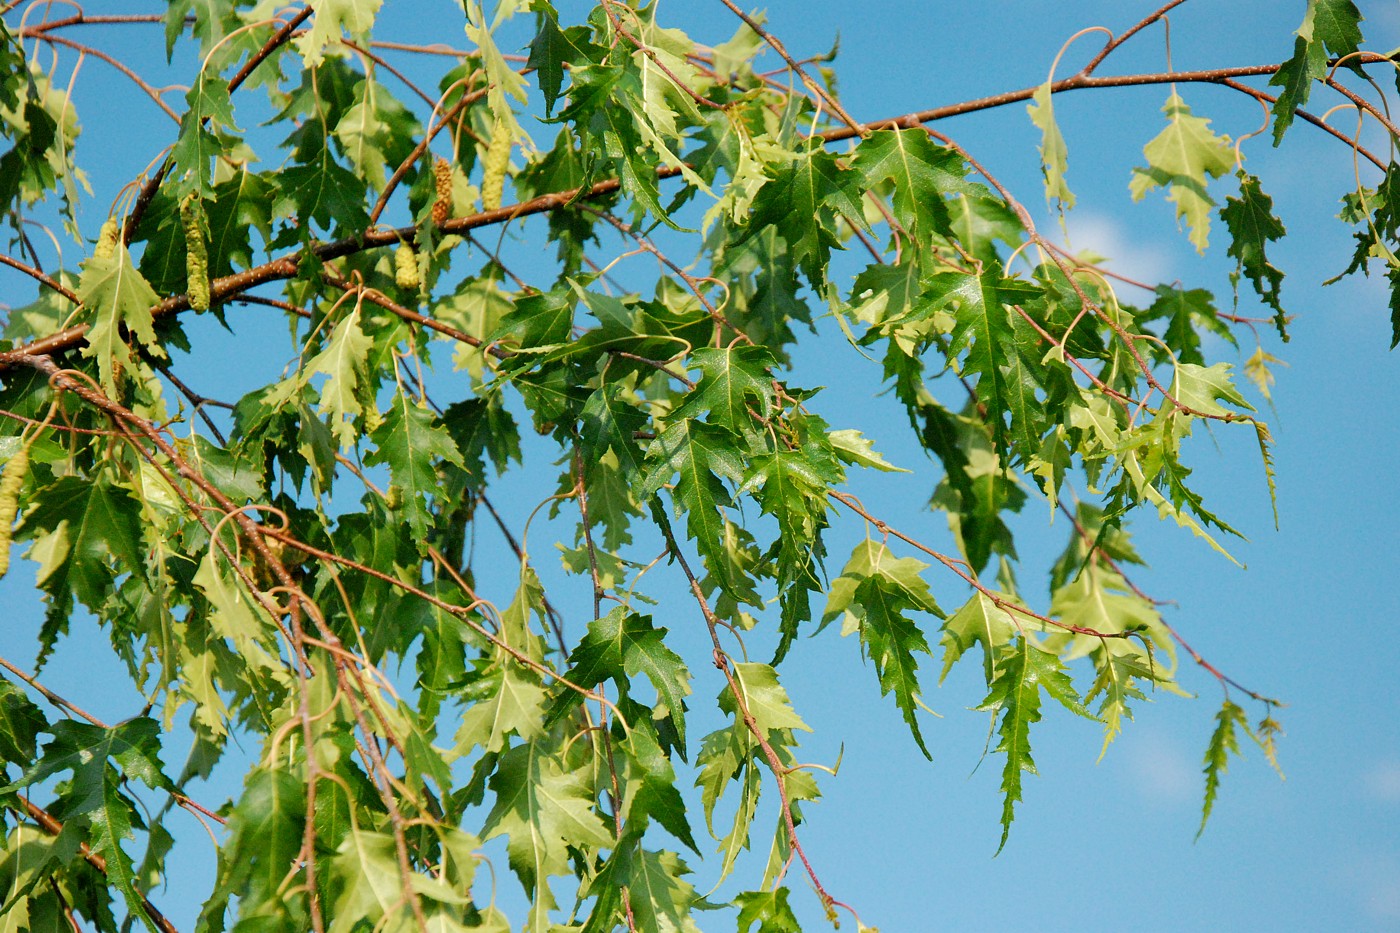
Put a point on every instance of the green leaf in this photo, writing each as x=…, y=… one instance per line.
x=504, y=80
x=549, y=51
x=726, y=754
x=93, y=792
x=1202, y=388
x=1183, y=158
x=85, y=534
x=656, y=795
x=703, y=455
x=624, y=644
x=769, y=909
x=1393, y=277
x=923, y=174
x=1329, y=27
x=660, y=899
x=412, y=444
x=802, y=201
x=543, y=809
x=1054, y=157
x=764, y=698
x=343, y=361
x=877, y=590
x=537, y=321
x=735, y=387
x=354, y=16
x=1015, y=695
x=853, y=447
x=20, y=724
x=979, y=622
x=265, y=832
x=324, y=192
x=241, y=205
x=1252, y=224
x=120, y=302
x=372, y=132
x=1224, y=742
x=605, y=105
x=509, y=700
x=1188, y=312
x=238, y=617
x=985, y=330
x=367, y=873
x=792, y=487
x=197, y=146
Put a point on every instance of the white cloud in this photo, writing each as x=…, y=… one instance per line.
x=1162, y=771
x=1376, y=882
x=1103, y=234
x=1383, y=781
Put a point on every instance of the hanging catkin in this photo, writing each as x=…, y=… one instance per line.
x=406, y=267
x=11, y=482
x=442, y=183
x=493, y=169
x=106, y=246
x=196, y=253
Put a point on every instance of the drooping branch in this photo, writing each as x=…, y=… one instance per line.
x=286, y=266
x=50, y=824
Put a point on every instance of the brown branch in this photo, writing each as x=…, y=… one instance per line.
x=49, y=695
x=152, y=185
x=81, y=19
x=957, y=566
x=721, y=660
x=1112, y=45
x=103, y=56
x=49, y=824
x=407, y=164
x=374, y=296
x=1308, y=117
x=273, y=303
x=853, y=128
x=278, y=38
x=286, y=266
x=35, y=273
x=1073, y=83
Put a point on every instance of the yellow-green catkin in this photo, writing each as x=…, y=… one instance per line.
x=106, y=246
x=493, y=168
x=196, y=253
x=442, y=184
x=406, y=267
x=11, y=482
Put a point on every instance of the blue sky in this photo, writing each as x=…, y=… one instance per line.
x=1106, y=846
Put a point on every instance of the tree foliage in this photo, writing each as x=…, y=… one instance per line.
x=292, y=580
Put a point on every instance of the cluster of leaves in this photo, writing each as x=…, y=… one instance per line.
x=264, y=582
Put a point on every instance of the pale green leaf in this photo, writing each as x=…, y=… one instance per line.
x=1183, y=158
